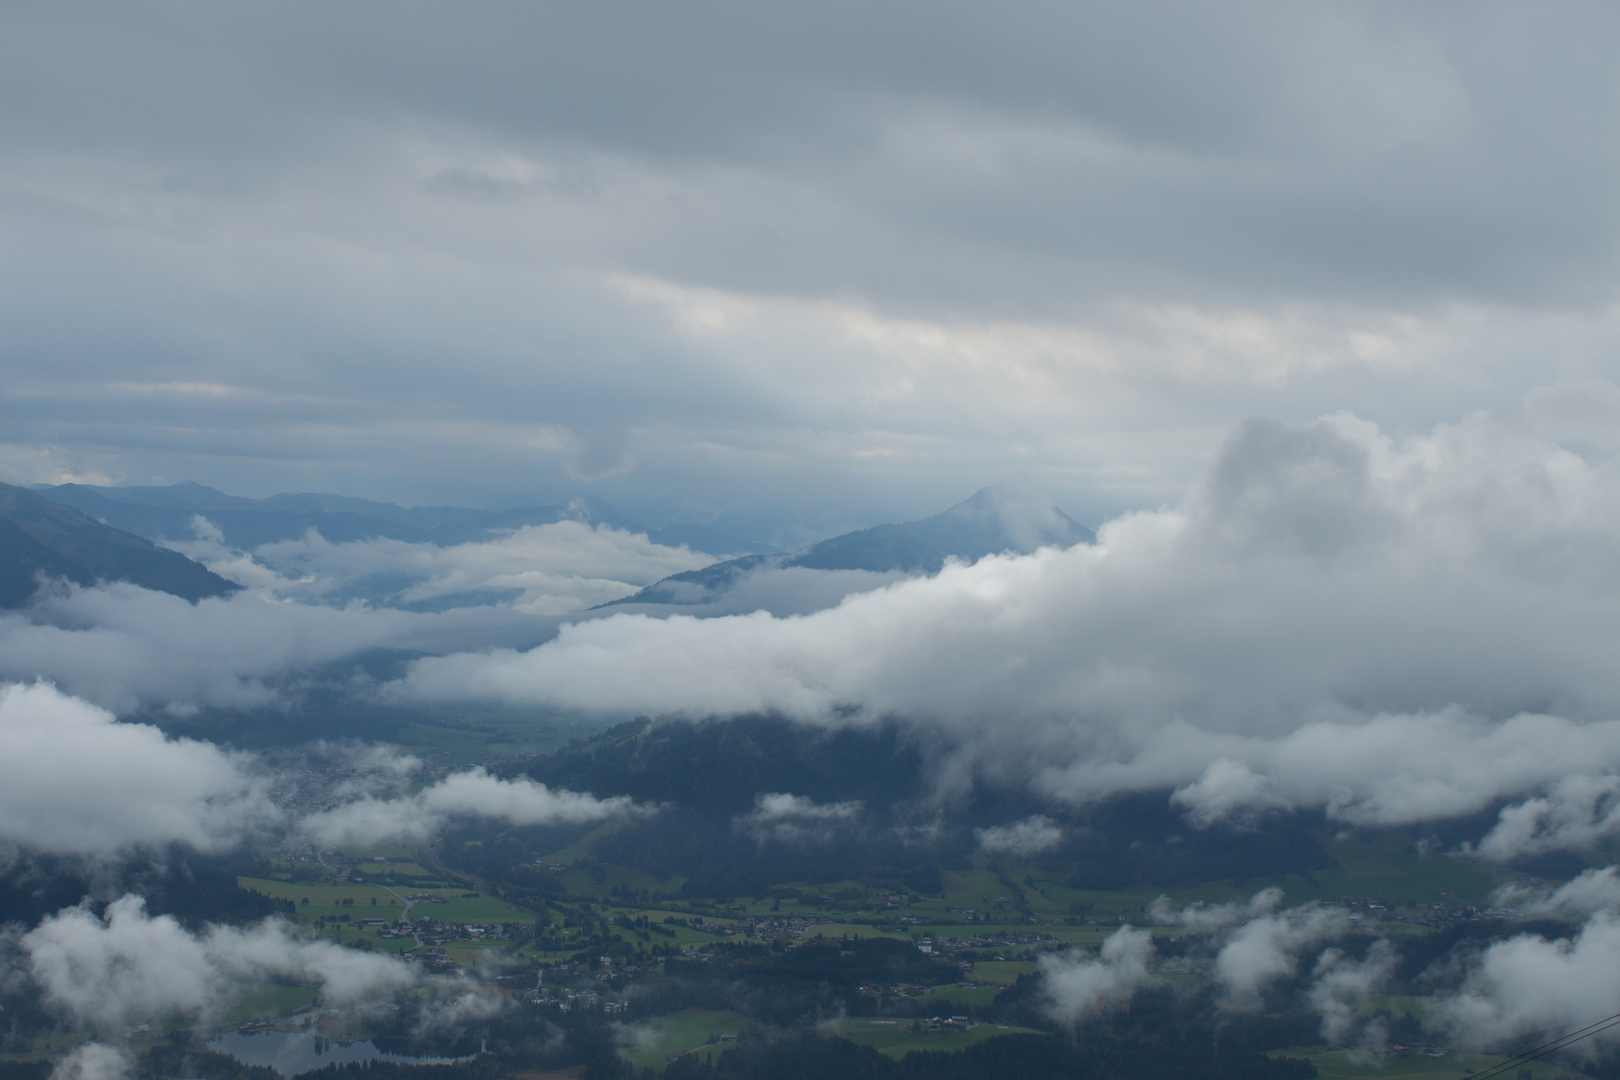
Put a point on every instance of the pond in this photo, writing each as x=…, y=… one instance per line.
x=294, y=1052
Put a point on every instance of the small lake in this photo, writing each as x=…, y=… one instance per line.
x=294, y=1052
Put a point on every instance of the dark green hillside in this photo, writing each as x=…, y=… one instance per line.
x=39, y=537
x=706, y=777
x=719, y=767
x=24, y=560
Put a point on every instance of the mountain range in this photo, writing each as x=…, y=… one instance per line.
x=86, y=534
x=167, y=512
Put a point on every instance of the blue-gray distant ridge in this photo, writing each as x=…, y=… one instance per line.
x=993, y=521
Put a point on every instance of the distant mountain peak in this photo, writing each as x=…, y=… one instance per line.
x=1025, y=516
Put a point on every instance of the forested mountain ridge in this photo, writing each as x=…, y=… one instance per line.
x=40, y=539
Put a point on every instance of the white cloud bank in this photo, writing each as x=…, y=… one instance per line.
x=75, y=781
x=1393, y=630
x=128, y=966
x=473, y=793
x=123, y=647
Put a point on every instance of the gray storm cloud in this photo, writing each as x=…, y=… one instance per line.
x=1391, y=630
x=794, y=259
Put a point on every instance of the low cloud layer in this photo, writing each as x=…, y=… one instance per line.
x=74, y=781
x=550, y=569
x=106, y=972
x=1391, y=630
x=473, y=793
x=124, y=647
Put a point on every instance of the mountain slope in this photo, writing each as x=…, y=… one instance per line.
x=992, y=521
x=41, y=538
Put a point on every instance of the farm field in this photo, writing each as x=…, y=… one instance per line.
x=1004, y=972
x=896, y=1038
x=679, y=1033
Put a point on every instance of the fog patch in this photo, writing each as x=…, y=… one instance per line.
x=95, y=1061
x=1077, y=985
x=1266, y=949
x=1030, y=836
x=795, y=818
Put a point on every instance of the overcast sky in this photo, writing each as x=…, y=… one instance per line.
x=786, y=268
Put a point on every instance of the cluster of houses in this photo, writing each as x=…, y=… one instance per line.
x=1001, y=939
x=567, y=999
x=792, y=926
x=1437, y=915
